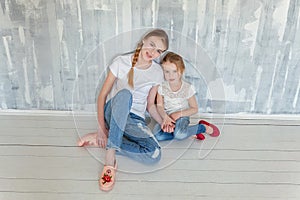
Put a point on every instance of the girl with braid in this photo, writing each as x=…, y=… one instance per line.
x=128, y=91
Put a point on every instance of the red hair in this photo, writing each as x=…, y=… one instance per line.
x=175, y=59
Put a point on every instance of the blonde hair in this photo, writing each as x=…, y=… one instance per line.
x=156, y=32
x=175, y=59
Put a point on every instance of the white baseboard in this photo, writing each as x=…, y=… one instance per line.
x=44, y=113
x=238, y=118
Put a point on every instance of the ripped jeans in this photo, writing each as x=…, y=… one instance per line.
x=182, y=130
x=128, y=132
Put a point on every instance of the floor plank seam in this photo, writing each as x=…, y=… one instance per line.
x=169, y=148
x=37, y=145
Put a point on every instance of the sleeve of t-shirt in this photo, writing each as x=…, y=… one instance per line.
x=191, y=91
x=114, y=67
x=160, y=90
x=159, y=75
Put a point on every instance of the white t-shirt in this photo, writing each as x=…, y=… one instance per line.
x=144, y=80
x=176, y=101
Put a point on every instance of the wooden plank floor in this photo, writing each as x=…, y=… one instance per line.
x=251, y=160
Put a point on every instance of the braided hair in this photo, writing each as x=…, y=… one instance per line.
x=134, y=61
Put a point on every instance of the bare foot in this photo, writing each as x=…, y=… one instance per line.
x=209, y=130
x=89, y=139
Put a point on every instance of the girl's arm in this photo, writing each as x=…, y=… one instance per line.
x=106, y=88
x=193, y=109
x=160, y=106
x=151, y=107
x=167, y=124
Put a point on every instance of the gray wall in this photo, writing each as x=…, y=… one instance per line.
x=242, y=55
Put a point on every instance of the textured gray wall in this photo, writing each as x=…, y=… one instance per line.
x=242, y=55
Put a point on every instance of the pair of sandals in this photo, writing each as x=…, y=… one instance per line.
x=108, y=175
x=107, y=179
x=215, y=133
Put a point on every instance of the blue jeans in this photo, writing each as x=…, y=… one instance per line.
x=182, y=130
x=129, y=133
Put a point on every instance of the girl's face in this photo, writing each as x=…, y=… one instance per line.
x=152, y=48
x=172, y=75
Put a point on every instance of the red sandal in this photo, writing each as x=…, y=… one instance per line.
x=216, y=131
x=200, y=136
x=107, y=178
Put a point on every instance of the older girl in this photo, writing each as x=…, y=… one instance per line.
x=132, y=83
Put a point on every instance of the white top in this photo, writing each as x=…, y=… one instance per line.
x=176, y=101
x=144, y=80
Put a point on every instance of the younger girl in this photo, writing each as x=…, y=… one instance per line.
x=176, y=102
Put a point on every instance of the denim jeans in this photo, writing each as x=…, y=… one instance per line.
x=182, y=130
x=129, y=133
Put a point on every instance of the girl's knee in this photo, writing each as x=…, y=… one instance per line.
x=124, y=93
x=124, y=96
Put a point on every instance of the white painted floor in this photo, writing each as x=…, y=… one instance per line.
x=252, y=159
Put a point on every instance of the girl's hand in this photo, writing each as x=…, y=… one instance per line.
x=102, y=137
x=169, y=128
x=168, y=124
